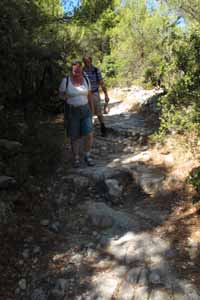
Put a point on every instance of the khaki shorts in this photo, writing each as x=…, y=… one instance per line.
x=97, y=104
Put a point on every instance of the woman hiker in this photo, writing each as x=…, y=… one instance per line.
x=75, y=90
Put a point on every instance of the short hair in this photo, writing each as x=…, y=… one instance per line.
x=87, y=57
x=76, y=62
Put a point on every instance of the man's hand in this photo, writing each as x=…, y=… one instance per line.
x=107, y=99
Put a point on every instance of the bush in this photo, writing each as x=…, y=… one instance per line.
x=181, y=105
x=194, y=180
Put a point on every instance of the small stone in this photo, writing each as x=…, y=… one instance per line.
x=133, y=275
x=35, y=260
x=114, y=188
x=154, y=277
x=55, y=227
x=169, y=159
x=60, y=287
x=77, y=259
x=91, y=253
x=44, y=222
x=17, y=291
x=38, y=294
x=25, y=253
x=141, y=293
x=184, y=267
x=68, y=269
x=193, y=252
x=91, y=245
x=143, y=281
x=192, y=243
x=22, y=284
x=36, y=250
x=59, y=170
x=160, y=295
x=29, y=239
x=126, y=291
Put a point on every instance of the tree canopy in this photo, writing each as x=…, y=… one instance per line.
x=132, y=40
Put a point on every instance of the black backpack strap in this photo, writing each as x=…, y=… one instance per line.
x=65, y=105
x=96, y=73
x=67, y=81
x=86, y=79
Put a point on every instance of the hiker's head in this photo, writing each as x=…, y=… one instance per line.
x=76, y=68
x=87, y=60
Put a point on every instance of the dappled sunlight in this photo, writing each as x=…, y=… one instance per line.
x=110, y=242
x=132, y=266
x=138, y=248
x=113, y=217
x=131, y=98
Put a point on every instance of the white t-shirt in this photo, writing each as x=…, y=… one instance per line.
x=76, y=95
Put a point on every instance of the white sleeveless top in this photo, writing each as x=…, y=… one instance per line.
x=76, y=95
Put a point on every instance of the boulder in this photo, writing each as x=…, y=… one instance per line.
x=114, y=189
x=149, y=179
x=7, y=182
x=10, y=147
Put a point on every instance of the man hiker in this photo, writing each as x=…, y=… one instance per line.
x=96, y=80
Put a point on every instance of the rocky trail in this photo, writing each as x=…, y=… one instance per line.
x=103, y=232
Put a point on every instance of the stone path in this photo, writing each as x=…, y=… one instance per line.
x=105, y=242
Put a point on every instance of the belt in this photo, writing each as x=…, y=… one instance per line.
x=76, y=106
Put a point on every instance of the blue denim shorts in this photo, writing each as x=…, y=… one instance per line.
x=78, y=120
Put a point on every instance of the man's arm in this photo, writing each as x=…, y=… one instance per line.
x=104, y=89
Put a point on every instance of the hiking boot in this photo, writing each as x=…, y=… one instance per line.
x=103, y=130
x=89, y=161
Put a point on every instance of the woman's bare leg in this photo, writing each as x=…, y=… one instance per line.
x=88, y=146
x=88, y=142
x=75, y=145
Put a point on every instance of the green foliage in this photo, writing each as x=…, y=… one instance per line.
x=194, y=180
x=137, y=42
x=180, y=77
x=32, y=44
x=176, y=120
x=90, y=11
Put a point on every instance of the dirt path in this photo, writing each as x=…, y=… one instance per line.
x=104, y=232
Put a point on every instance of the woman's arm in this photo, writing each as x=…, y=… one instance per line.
x=91, y=102
x=62, y=89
